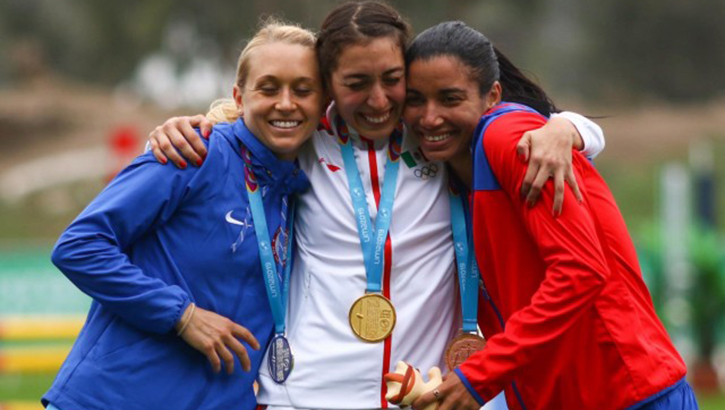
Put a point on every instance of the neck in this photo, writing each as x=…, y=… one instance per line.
x=462, y=166
x=287, y=156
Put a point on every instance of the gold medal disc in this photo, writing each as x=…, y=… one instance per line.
x=372, y=317
x=461, y=348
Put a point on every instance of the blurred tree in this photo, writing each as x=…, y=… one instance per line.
x=612, y=51
x=95, y=41
x=662, y=49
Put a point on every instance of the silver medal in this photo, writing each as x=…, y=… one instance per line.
x=280, y=359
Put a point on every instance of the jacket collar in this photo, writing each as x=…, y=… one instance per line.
x=267, y=168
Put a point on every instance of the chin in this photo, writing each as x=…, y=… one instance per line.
x=379, y=133
x=286, y=147
x=437, y=155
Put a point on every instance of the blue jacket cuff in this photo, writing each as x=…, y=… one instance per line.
x=470, y=388
x=180, y=312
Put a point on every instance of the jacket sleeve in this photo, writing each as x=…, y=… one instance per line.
x=591, y=133
x=576, y=268
x=92, y=252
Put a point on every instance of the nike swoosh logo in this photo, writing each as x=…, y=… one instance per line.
x=232, y=220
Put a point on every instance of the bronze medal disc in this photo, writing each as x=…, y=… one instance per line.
x=372, y=317
x=461, y=348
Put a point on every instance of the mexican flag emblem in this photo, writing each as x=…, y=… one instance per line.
x=414, y=158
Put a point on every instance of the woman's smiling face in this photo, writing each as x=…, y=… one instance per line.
x=368, y=86
x=281, y=100
x=444, y=104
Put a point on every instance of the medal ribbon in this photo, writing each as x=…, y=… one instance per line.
x=372, y=238
x=277, y=297
x=468, y=273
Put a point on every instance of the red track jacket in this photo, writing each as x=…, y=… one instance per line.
x=580, y=329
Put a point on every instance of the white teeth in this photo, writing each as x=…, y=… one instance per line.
x=378, y=120
x=436, y=138
x=286, y=124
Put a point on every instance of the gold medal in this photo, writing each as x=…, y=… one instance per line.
x=372, y=317
x=461, y=348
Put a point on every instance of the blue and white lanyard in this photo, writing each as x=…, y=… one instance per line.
x=372, y=238
x=277, y=297
x=468, y=274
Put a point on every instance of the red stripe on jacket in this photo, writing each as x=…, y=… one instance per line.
x=387, y=255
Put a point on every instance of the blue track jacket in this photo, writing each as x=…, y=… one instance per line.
x=156, y=239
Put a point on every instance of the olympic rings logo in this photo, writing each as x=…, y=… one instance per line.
x=426, y=171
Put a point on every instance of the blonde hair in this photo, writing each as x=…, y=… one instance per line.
x=272, y=31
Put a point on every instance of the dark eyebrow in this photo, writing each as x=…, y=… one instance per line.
x=395, y=70
x=392, y=71
x=451, y=91
x=275, y=79
x=356, y=77
x=266, y=78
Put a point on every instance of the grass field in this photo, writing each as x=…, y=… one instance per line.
x=29, y=387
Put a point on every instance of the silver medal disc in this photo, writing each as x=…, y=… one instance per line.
x=280, y=359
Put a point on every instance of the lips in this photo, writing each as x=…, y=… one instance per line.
x=437, y=137
x=285, y=124
x=377, y=119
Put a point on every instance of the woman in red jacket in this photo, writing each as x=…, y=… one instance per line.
x=568, y=319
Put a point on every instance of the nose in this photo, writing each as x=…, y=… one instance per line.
x=430, y=117
x=285, y=102
x=377, y=98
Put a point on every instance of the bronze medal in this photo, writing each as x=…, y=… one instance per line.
x=372, y=317
x=461, y=348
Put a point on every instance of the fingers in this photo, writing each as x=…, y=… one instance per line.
x=192, y=148
x=424, y=400
x=574, y=185
x=531, y=171
x=158, y=154
x=226, y=356
x=241, y=353
x=558, y=192
x=214, y=335
x=523, y=148
x=166, y=138
x=173, y=142
x=562, y=174
x=177, y=141
x=200, y=121
x=541, y=177
x=210, y=352
x=244, y=334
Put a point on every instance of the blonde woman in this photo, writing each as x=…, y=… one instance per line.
x=172, y=257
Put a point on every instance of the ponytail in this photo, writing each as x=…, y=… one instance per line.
x=520, y=89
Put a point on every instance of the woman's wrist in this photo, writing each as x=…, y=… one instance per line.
x=183, y=323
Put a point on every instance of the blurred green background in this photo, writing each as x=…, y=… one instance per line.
x=82, y=82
